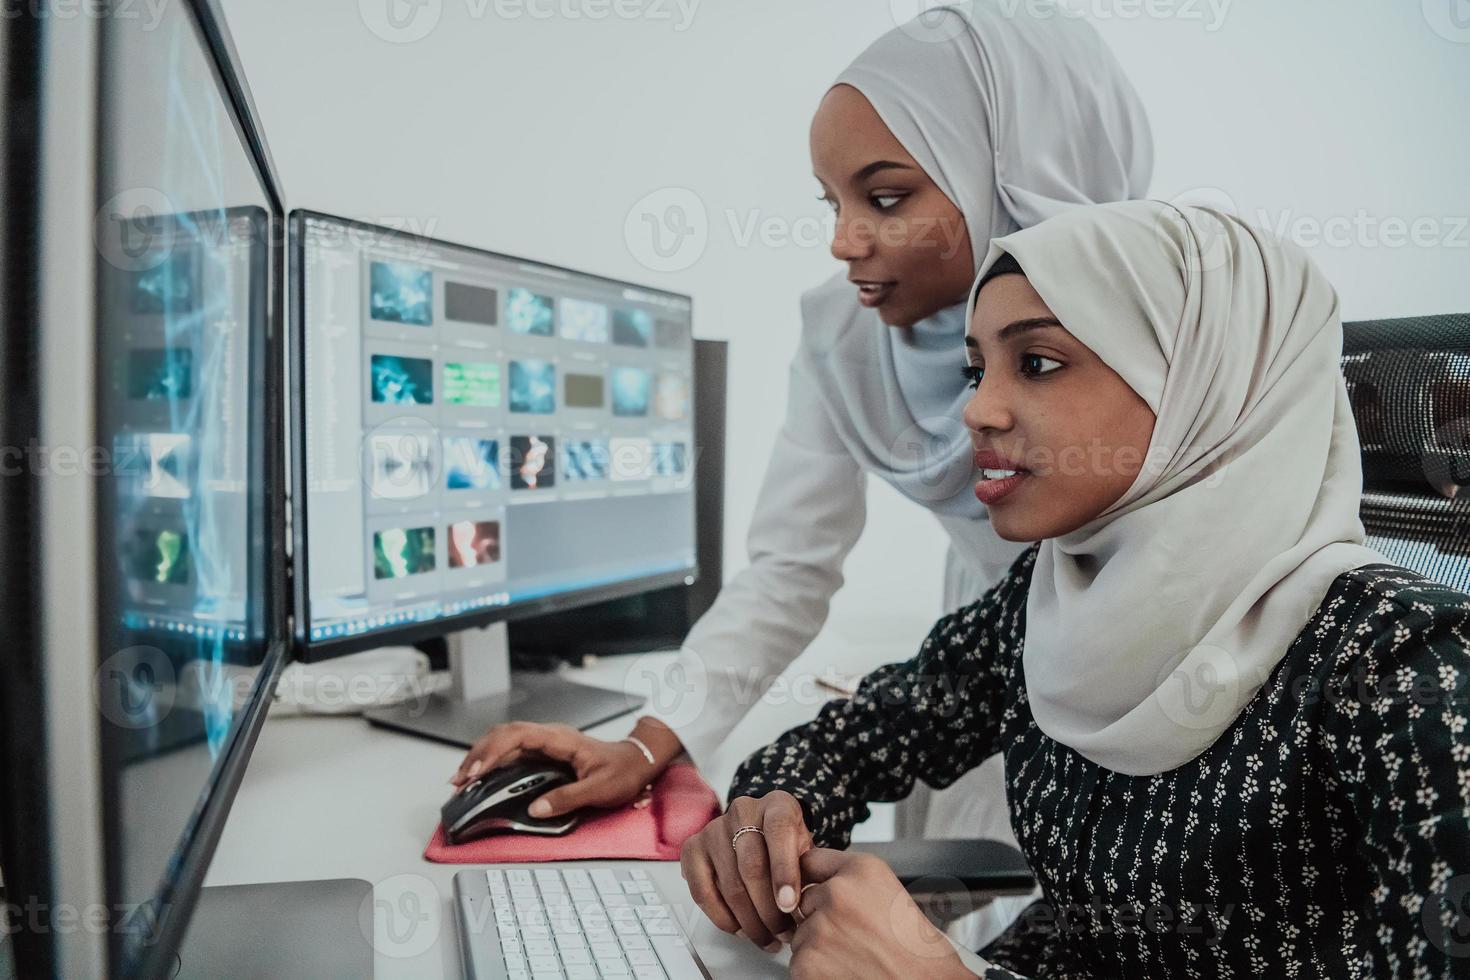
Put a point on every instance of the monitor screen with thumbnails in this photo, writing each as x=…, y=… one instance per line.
x=479, y=436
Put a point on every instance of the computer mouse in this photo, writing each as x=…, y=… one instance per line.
x=496, y=802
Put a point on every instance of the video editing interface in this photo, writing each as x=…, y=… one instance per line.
x=177, y=325
x=482, y=431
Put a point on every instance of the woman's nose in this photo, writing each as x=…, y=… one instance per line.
x=987, y=407
x=852, y=240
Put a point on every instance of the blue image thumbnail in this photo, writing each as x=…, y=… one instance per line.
x=401, y=294
x=402, y=380
x=528, y=313
x=632, y=328
x=669, y=458
x=532, y=387
x=471, y=464
x=585, y=460
x=630, y=391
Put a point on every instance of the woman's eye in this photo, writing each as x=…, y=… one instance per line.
x=1028, y=359
x=973, y=373
x=885, y=201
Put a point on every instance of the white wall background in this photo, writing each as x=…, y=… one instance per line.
x=534, y=126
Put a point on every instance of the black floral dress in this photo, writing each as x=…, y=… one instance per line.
x=1326, y=833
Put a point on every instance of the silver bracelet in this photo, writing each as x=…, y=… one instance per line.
x=647, y=754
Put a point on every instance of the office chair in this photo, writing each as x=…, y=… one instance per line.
x=1409, y=382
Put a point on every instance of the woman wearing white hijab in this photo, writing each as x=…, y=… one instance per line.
x=1235, y=738
x=947, y=132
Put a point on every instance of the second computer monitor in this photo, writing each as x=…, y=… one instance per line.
x=484, y=436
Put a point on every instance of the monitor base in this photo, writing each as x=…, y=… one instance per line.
x=281, y=929
x=544, y=698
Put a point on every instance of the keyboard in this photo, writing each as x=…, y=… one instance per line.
x=554, y=922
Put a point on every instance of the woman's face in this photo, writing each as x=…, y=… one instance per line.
x=1047, y=406
x=905, y=243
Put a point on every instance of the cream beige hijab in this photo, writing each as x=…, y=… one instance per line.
x=1151, y=627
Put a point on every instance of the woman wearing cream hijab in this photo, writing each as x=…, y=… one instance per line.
x=978, y=119
x=1235, y=738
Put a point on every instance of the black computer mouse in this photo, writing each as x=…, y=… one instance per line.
x=496, y=802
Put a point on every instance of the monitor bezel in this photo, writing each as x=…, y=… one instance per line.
x=309, y=650
x=179, y=889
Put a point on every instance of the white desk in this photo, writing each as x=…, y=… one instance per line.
x=338, y=798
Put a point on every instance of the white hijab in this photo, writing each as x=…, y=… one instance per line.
x=1015, y=114
x=1151, y=627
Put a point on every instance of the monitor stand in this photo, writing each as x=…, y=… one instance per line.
x=281, y=929
x=484, y=692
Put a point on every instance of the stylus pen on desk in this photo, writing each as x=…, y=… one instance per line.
x=842, y=686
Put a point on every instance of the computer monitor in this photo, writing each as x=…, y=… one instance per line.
x=480, y=437
x=144, y=588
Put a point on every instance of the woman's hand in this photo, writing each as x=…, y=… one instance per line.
x=609, y=774
x=750, y=889
x=855, y=919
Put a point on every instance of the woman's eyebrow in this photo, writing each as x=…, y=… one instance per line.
x=878, y=165
x=1017, y=327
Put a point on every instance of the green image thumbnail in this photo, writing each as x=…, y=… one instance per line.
x=472, y=384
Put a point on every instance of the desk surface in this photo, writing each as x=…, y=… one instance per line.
x=335, y=797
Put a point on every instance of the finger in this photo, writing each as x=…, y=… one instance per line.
x=490, y=751
x=737, y=894
x=786, y=839
x=752, y=860
x=574, y=796
x=821, y=863
x=700, y=875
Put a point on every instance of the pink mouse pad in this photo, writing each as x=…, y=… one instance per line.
x=653, y=828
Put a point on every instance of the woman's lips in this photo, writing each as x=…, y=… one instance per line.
x=991, y=490
x=872, y=293
x=998, y=476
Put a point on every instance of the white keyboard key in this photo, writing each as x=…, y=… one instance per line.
x=517, y=962
x=630, y=887
x=518, y=975
x=648, y=973
x=647, y=888
x=540, y=947
x=646, y=912
x=549, y=975
x=612, y=968
x=535, y=932
x=518, y=876
x=578, y=957
x=615, y=901
x=661, y=927
x=510, y=944
x=577, y=877
x=606, y=951
x=582, y=896
x=494, y=876
x=641, y=957
x=605, y=881
x=544, y=964
x=581, y=972
x=639, y=874
x=634, y=942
